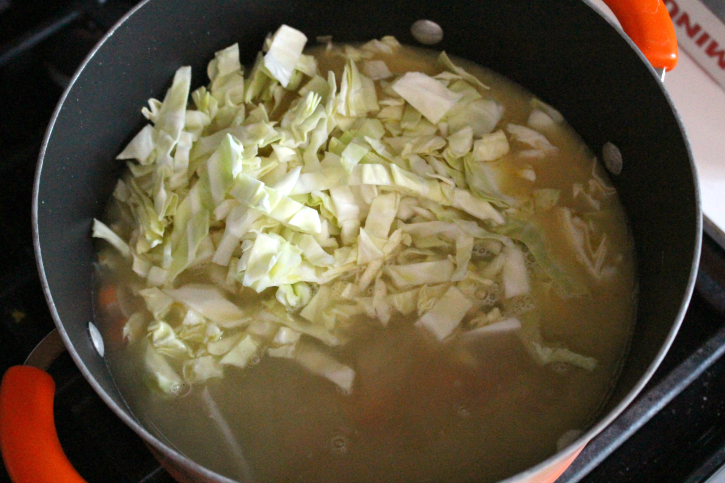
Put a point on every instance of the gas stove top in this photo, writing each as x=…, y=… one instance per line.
x=673, y=432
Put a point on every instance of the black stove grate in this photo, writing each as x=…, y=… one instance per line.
x=674, y=432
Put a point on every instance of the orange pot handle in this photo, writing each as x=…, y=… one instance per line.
x=648, y=24
x=28, y=439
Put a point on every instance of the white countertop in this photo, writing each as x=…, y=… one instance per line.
x=700, y=101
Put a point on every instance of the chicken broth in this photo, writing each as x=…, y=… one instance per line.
x=473, y=374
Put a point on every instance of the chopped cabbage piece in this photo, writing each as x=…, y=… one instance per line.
x=165, y=340
x=161, y=372
x=430, y=97
x=381, y=215
x=157, y=302
x=100, y=230
x=313, y=311
x=509, y=324
x=208, y=301
x=376, y=69
x=140, y=147
x=224, y=345
x=579, y=236
x=460, y=143
x=481, y=115
x=446, y=314
x=254, y=194
x=322, y=364
x=491, y=147
x=531, y=236
x=540, y=120
x=357, y=94
x=134, y=327
x=515, y=274
x=284, y=53
x=547, y=355
x=406, y=276
x=242, y=353
x=450, y=66
x=533, y=138
x=201, y=369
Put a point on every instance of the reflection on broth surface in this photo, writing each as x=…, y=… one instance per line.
x=453, y=321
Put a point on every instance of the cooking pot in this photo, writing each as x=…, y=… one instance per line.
x=564, y=51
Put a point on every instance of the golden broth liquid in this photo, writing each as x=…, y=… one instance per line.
x=420, y=410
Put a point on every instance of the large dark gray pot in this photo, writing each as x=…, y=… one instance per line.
x=562, y=50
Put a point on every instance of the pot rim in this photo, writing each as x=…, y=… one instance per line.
x=175, y=456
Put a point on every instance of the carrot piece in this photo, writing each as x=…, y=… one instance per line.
x=108, y=295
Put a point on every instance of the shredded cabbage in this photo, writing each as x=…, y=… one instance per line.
x=378, y=197
x=284, y=53
x=430, y=97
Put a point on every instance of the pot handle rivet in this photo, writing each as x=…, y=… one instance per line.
x=96, y=339
x=427, y=32
x=612, y=157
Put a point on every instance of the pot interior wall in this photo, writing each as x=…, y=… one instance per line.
x=562, y=51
